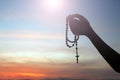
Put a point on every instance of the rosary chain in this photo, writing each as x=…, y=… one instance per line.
x=73, y=42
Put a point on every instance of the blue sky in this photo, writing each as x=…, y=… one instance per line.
x=31, y=31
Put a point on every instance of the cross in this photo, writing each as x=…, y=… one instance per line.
x=77, y=56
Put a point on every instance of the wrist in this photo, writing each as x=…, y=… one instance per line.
x=90, y=33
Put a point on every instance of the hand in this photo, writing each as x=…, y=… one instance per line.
x=79, y=25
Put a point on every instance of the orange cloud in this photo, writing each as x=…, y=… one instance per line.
x=21, y=75
x=34, y=75
x=10, y=70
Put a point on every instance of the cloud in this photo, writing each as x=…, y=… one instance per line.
x=63, y=79
x=111, y=79
x=69, y=71
x=31, y=36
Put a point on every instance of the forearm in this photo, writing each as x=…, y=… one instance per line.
x=111, y=56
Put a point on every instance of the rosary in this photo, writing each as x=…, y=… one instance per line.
x=74, y=42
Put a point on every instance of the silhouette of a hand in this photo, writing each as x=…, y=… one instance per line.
x=79, y=25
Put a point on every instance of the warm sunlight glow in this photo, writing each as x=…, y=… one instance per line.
x=53, y=5
x=21, y=75
x=32, y=75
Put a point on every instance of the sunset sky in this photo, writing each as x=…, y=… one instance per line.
x=32, y=39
